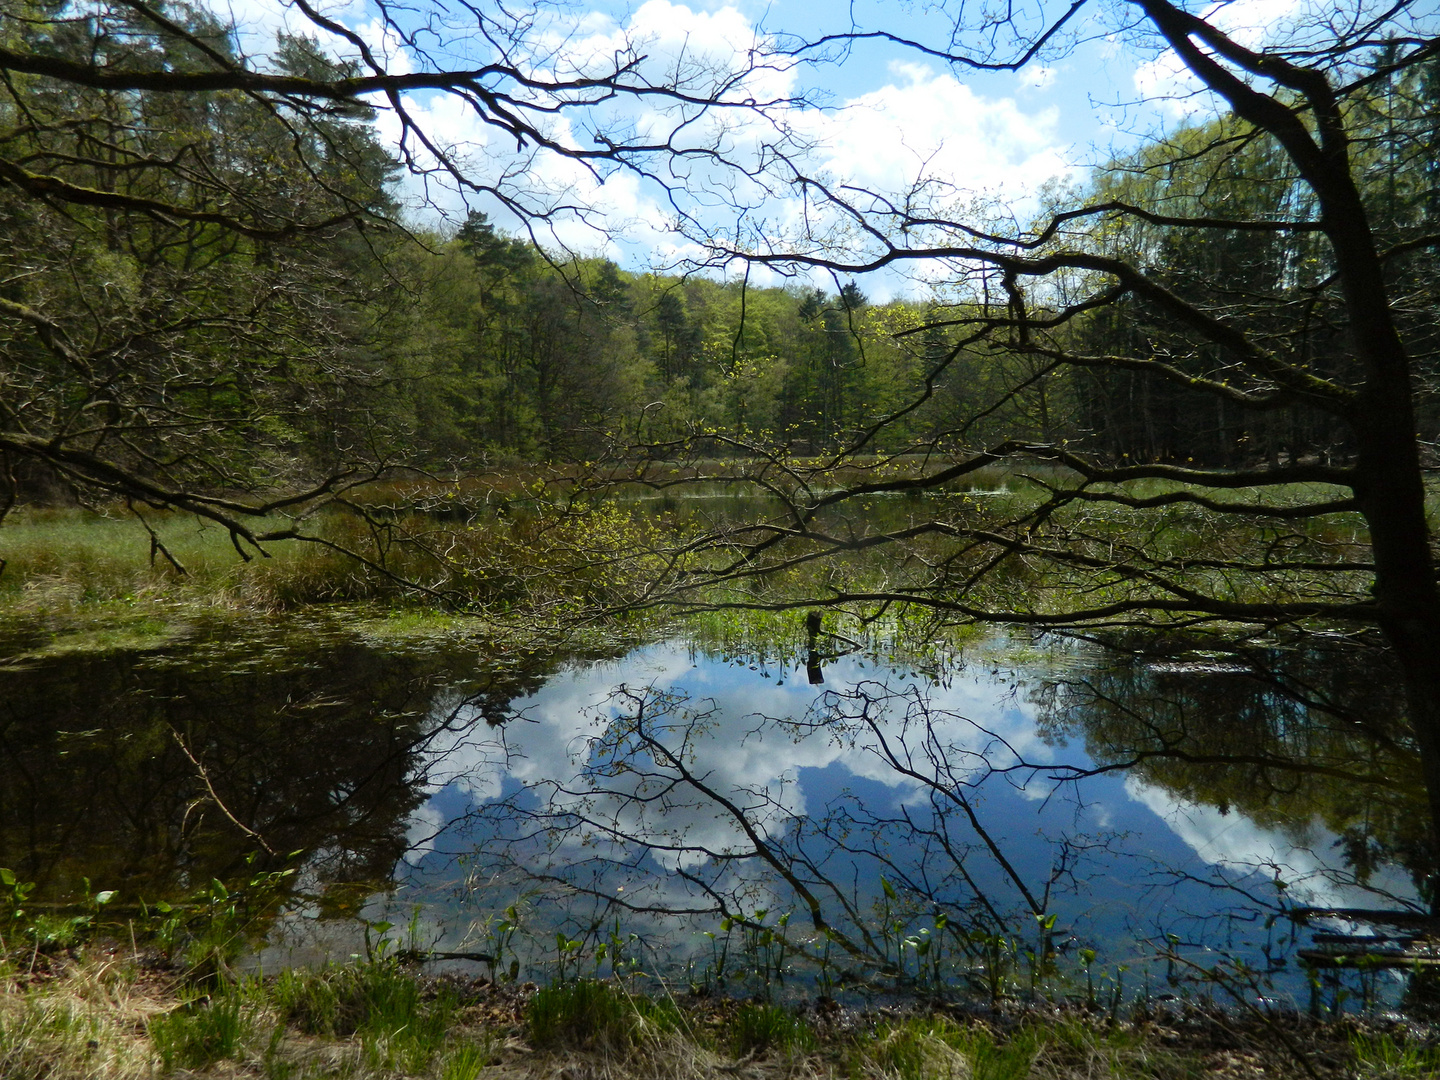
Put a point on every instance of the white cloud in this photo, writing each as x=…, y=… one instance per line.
x=921, y=126
x=1232, y=840
x=1251, y=23
x=728, y=724
x=385, y=44
x=932, y=125
x=258, y=21
x=1037, y=77
x=424, y=825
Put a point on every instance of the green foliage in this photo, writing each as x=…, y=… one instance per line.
x=14, y=894
x=398, y=1025
x=227, y=351
x=45, y=931
x=218, y=922
x=930, y=1046
x=341, y=1000
x=1009, y=1059
x=1383, y=1057
x=198, y=1034
x=463, y=1060
x=917, y=1048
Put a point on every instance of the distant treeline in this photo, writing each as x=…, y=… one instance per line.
x=217, y=348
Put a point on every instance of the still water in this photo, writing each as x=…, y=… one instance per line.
x=980, y=816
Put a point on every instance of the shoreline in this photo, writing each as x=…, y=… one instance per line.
x=112, y=1012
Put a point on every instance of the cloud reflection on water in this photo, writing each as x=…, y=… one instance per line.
x=1143, y=861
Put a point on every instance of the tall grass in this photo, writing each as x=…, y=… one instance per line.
x=196, y=1035
x=591, y=1015
x=68, y=558
x=766, y=1029
x=376, y=999
x=62, y=561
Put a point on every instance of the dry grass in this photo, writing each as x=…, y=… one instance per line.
x=88, y=1021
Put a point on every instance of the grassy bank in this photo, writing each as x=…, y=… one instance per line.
x=77, y=579
x=557, y=553
x=84, y=579
x=106, y=1013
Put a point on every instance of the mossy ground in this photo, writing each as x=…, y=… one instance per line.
x=104, y=1013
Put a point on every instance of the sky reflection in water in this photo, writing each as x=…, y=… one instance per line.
x=1141, y=864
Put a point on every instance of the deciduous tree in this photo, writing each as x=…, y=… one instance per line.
x=1279, y=296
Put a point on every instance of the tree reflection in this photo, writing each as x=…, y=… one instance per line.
x=871, y=825
x=154, y=772
x=900, y=839
x=1287, y=733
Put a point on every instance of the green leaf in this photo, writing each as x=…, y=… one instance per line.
x=889, y=889
x=106, y=896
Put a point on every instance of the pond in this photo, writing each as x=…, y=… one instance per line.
x=1109, y=818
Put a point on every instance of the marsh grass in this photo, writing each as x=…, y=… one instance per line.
x=463, y=1059
x=71, y=563
x=487, y=547
x=587, y=1014
x=198, y=1034
x=377, y=997
x=62, y=559
x=758, y=1029
x=1381, y=1057
x=923, y=1047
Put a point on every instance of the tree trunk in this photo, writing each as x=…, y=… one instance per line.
x=1391, y=492
x=1392, y=499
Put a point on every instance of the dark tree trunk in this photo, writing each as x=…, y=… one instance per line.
x=1389, y=483
x=1391, y=490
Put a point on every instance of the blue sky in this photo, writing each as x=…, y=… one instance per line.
x=986, y=141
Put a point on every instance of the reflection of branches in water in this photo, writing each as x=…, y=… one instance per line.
x=660, y=810
x=1289, y=731
x=151, y=770
x=648, y=823
x=944, y=768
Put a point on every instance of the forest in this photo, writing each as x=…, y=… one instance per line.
x=197, y=349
